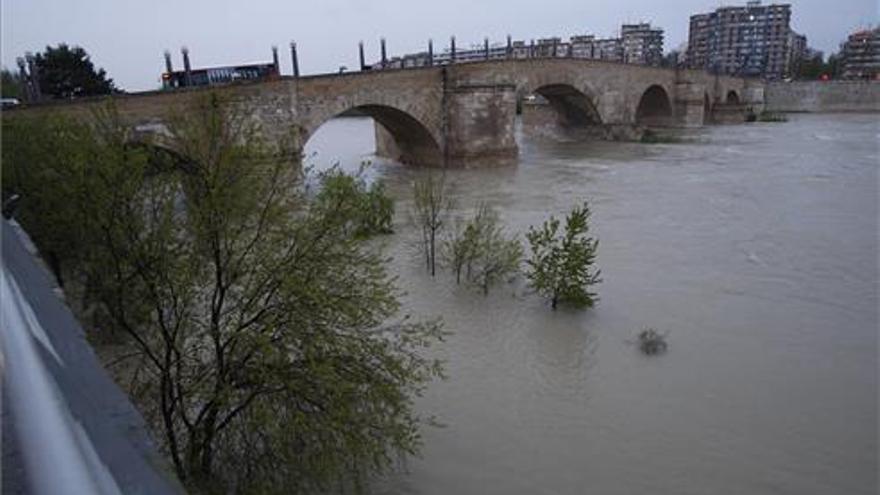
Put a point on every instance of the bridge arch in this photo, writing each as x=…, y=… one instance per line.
x=563, y=86
x=654, y=107
x=573, y=106
x=400, y=135
x=162, y=155
x=732, y=97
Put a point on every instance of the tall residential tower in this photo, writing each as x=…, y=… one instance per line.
x=750, y=41
x=642, y=44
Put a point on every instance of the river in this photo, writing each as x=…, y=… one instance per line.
x=754, y=246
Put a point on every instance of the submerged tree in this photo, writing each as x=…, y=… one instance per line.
x=481, y=250
x=561, y=263
x=431, y=205
x=369, y=210
x=264, y=341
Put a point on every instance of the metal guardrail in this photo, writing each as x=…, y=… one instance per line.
x=58, y=456
x=73, y=429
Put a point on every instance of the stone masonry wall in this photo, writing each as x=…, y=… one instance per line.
x=823, y=96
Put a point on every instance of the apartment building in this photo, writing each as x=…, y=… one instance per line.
x=861, y=55
x=750, y=40
x=642, y=44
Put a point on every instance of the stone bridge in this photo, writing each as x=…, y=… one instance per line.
x=461, y=114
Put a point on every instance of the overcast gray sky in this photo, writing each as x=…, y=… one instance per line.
x=127, y=38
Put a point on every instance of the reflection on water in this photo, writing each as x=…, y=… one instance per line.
x=754, y=246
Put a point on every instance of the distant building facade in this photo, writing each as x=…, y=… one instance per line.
x=750, y=40
x=638, y=44
x=609, y=49
x=642, y=44
x=797, y=53
x=861, y=55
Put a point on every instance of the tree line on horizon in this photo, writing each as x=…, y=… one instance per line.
x=63, y=72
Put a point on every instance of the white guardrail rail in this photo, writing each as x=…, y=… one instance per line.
x=73, y=430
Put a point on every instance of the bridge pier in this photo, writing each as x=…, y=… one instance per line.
x=480, y=123
x=540, y=119
x=689, y=104
x=479, y=129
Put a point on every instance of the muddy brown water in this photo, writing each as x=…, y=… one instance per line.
x=754, y=246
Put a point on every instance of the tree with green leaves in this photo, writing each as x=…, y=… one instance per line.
x=561, y=263
x=431, y=206
x=262, y=339
x=459, y=249
x=482, y=250
x=68, y=72
x=371, y=210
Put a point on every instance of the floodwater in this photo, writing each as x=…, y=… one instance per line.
x=754, y=246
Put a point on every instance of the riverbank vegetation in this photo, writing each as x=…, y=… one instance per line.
x=259, y=332
x=653, y=136
x=765, y=116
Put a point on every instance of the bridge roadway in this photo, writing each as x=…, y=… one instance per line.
x=455, y=115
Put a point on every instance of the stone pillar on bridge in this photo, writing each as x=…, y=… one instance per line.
x=294, y=59
x=168, y=67
x=688, y=105
x=430, y=52
x=361, y=55
x=480, y=124
x=187, y=69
